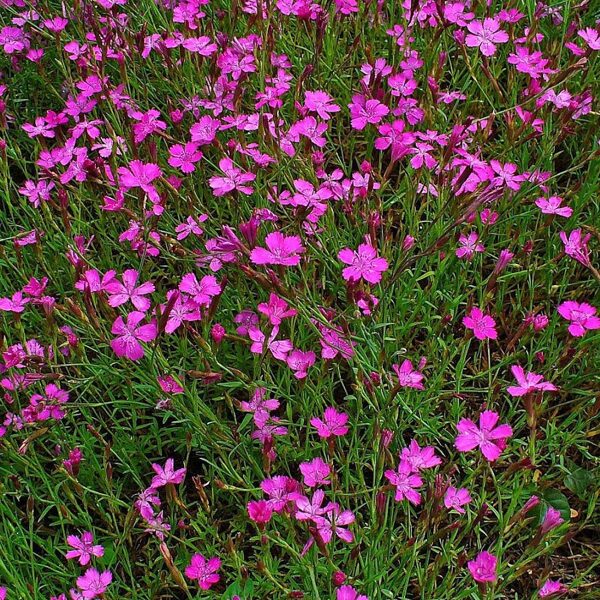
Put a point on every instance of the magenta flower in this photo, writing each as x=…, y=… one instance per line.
x=141, y=175
x=576, y=246
x=364, y=264
x=408, y=376
x=276, y=309
x=84, y=548
x=528, y=382
x=489, y=438
x=333, y=423
x=300, y=361
x=311, y=510
x=468, y=246
x=315, y=472
x=203, y=571
x=552, y=587
x=203, y=291
x=282, y=491
x=406, y=482
x=552, y=206
x=321, y=103
x=167, y=474
x=234, y=179
x=130, y=334
x=335, y=521
x=260, y=511
x=278, y=348
x=281, y=250
x=485, y=35
x=92, y=583
x=185, y=157
x=484, y=567
x=16, y=304
x=347, y=592
x=483, y=326
x=591, y=37
x=419, y=458
x=582, y=316
x=552, y=519
x=183, y=310
x=119, y=293
x=456, y=499
x=363, y=111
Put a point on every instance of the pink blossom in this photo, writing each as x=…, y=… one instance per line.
x=234, y=179
x=582, y=316
x=576, y=246
x=406, y=483
x=408, y=376
x=333, y=423
x=485, y=35
x=276, y=309
x=203, y=291
x=130, y=333
x=334, y=521
x=419, y=458
x=528, y=382
x=300, y=361
x=552, y=519
x=167, y=474
x=203, y=571
x=321, y=103
x=185, y=157
x=278, y=348
x=119, y=293
x=281, y=250
x=456, y=499
x=15, y=304
x=363, y=111
x=92, y=583
x=552, y=206
x=315, y=472
x=591, y=37
x=141, y=175
x=190, y=226
x=489, y=438
x=484, y=567
x=347, y=592
x=364, y=264
x=260, y=511
x=282, y=491
x=482, y=325
x=552, y=587
x=84, y=548
x=469, y=246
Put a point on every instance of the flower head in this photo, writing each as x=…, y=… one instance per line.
x=203, y=571
x=482, y=325
x=484, y=567
x=489, y=438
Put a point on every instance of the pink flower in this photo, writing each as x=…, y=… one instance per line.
x=260, y=511
x=552, y=206
x=576, y=246
x=203, y=291
x=485, y=35
x=191, y=226
x=184, y=157
x=277, y=309
x=591, y=37
x=528, y=382
x=321, y=103
x=363, y=111
x=408, y=376
x=333, y=423
x=347, y=592
x=489, y=438
x=335, y=521
x=278, y=348
x=203, y=571
x=300, y=361
x=483, y=326
x=552, y=587
x=84, y=548
x=183, y=309
x=456, y=499
x=419, y=458
x=130, y=334
x=406, y=482
x=234, y=179
x=582, y=316
x=167, y=474
x=364, y=264
x=120, y=293
x=92, y=583
x=552, y=519
x=315, y=472
x=468, y=246
x=141, y=175
x=484, y=567
x=282, y=491
x=282, y=250
x=310, y=510
x=16, y=304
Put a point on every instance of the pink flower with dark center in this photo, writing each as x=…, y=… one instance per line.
x=130, y=334
x=456, y=499
x=203, y=291
x=484, y=567
x=489, y=438
x=282, y=491
x=281, y=250
x=234, y=179
x=278, y=348
x=332, y=424
x=364, y=264
x=276, y=309
x=469, y=246
x=406, y=482
x=300, y=361
x=363, y=111
x=552, y=206
x=528, y=382
x=84, y=548
x=15, y=304
x=419, y=458
x=167, y=474
x=92, y=583
x=315, y=472
x=119, y=293
x=408, y=376
x=483, y=326
x=185, y=157
x=591, y=37
x=203, y=571
x=576, y=246
x=485, y=35
x=582, y=316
